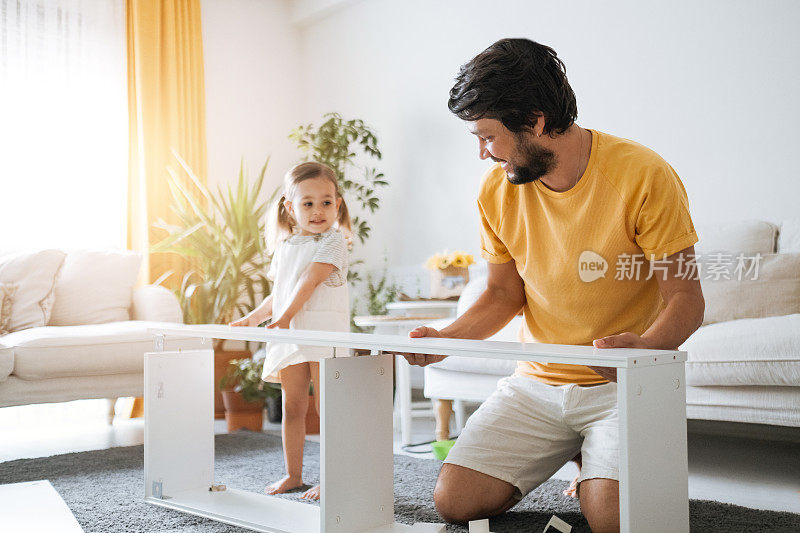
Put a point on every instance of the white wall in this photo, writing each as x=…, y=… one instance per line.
x=251, y=54
x=709, y=85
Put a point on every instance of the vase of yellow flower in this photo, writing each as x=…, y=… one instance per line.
x=449, y=273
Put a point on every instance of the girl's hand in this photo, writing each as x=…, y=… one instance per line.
x=281, y=323
x=348, y=238
x=247, y=321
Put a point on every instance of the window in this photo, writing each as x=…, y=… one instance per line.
x=63, y=124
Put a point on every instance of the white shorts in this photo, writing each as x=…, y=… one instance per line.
x=527, y=430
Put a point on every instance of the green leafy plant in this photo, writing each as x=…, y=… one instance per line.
x=225, y=243
x=244, y=376
x=337, y=143
x=380, y=292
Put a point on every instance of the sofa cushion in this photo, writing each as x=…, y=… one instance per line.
x=6, y=362
x=7, y=293
x=753, y=351
x=771, y=288
x=789, y=236
x=156, y=303
x=754, y=405
x=93, y=350
x=17, y=391
x=499, y=367
x=472, y=291
x=95, y=287
x=748, y=236
x=468, y=386
x=35, y=275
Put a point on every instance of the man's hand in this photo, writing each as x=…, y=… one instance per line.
x=623, y=340
x=421, y=359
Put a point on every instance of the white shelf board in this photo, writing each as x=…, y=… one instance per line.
x=259, y=512
x=514, y=351
x=398, y=321
x=35, y=506
x=419, y=527
x=423, y=304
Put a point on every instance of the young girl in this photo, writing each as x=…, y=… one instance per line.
x=307, y=231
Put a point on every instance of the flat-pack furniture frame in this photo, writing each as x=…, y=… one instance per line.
x=356, y=462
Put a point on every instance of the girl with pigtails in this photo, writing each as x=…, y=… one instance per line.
x=308, y=231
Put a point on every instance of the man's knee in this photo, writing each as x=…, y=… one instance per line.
x=600, y=504
x=463, y=494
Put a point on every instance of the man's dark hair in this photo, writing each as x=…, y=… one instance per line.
x=515, y=81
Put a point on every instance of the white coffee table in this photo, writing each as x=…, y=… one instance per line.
x=405, y=408
x=356, y=462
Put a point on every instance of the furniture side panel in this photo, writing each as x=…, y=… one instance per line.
x=654, y=490
x=179, y=421
x=357, y=490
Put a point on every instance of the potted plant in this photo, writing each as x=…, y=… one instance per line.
x=380, y=293
x=449, y=273
x=222, y=236
x=244, y=394
x=335, y=143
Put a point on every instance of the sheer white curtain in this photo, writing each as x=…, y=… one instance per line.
x=63, y=124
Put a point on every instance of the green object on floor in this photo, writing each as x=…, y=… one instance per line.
x=441, y=448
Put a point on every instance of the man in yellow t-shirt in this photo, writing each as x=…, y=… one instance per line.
x=590, y=236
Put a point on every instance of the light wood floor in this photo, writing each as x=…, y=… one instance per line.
x=746, y=471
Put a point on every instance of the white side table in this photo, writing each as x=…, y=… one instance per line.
x=410, y=314
x=441, y=408
x=404, y=408
x=440, y=308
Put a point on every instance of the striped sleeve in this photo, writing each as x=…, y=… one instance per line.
x=332, y=250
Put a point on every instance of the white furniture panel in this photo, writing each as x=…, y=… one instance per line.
x=179, y=428
x=653, y=464
x=356, y=474
x=35, y=506
x=357, y=487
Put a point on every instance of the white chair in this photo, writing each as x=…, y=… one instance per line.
x=455, y=380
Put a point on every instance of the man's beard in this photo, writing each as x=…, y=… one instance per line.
x=536, y=162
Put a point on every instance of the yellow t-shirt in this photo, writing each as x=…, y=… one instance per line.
x=628, y=208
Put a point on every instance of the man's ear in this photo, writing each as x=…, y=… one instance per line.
x=538, y=125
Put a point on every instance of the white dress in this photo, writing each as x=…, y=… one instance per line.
x=328, y=308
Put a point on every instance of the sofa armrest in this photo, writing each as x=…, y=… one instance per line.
x=156, y=304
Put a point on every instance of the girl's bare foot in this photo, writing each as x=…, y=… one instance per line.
x=572, y=490
x=311, y=494
x=284, y=485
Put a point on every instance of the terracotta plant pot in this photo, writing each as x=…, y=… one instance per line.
x=241, y=414
x=312, y=417
x=221, y=358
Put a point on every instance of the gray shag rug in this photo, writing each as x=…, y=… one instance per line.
x=104, y=490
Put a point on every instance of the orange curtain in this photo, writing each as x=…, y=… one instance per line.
x=167, y=112
x=166, y=106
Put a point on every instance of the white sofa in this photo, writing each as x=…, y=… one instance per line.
x=78, y=326
x=743, y=363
